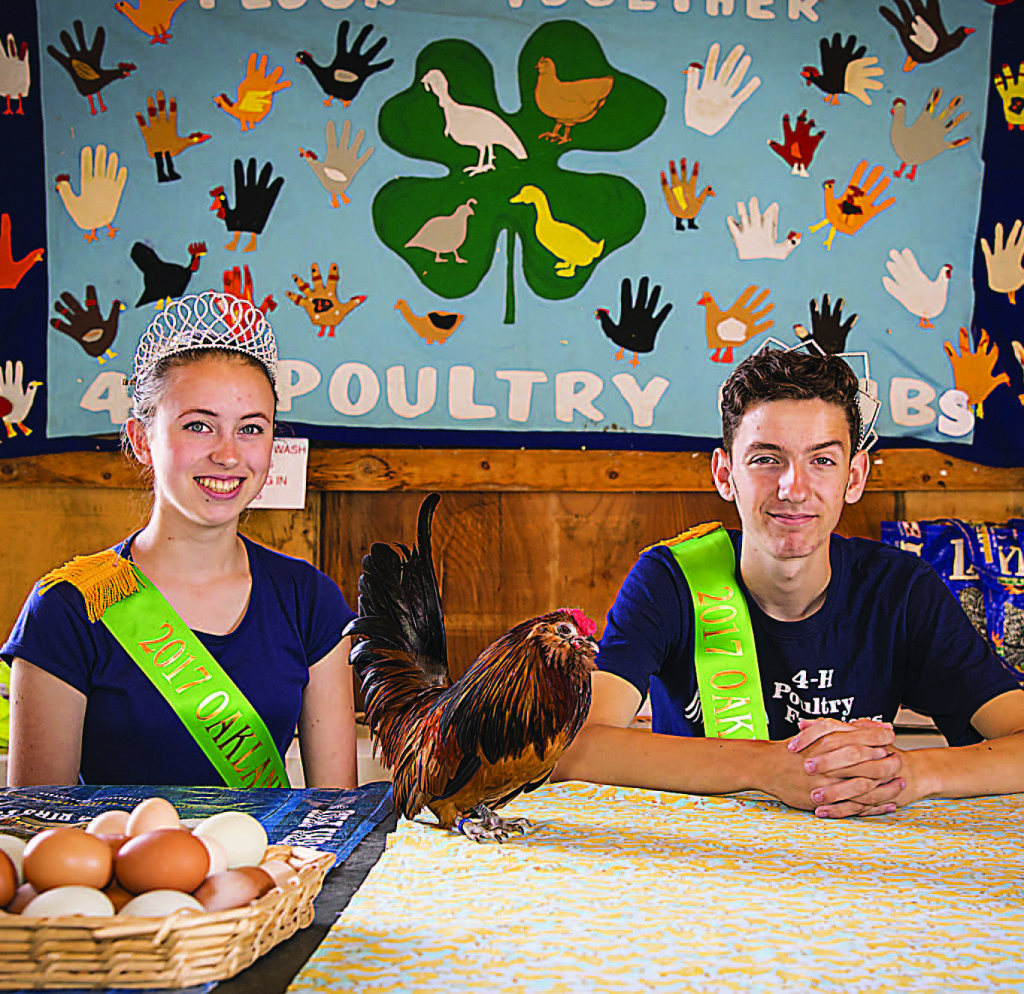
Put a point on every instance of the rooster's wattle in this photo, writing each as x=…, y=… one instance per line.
x=463, y=749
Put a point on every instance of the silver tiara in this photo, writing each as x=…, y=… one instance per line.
x=867, y=393
x=208, y=320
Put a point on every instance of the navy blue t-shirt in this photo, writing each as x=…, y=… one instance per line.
x=888, y=634
x=131, y=735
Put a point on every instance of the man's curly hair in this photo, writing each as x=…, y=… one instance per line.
x=776, y=374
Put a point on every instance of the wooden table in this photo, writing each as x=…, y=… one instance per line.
x=626, y=890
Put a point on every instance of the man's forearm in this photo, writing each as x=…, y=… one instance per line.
x=632, y=757
x=995, y=766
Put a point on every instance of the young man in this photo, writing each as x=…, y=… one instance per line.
x=846, y=630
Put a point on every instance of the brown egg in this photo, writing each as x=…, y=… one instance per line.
x=260, y=877
x=63, y=857
x=151, y=814
x=112, y=822
x=119, y=897
x=166, y=859
x=114, y=841
x=22, y=896
x=280, y=871
x=8, y=878
x=229, y=889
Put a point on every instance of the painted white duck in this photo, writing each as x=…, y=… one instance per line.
x=483, y=129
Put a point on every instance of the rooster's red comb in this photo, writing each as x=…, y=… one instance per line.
x=587, y=626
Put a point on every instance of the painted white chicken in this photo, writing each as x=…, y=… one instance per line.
x=923, y=297
x=475, y=126
x=756, y=234
x=102, y=185
x=15, y=74
x=16, y=399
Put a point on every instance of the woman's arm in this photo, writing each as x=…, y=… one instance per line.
x=47, y=716
x=327, y=724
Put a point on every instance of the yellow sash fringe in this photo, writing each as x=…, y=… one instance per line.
x=697, y=531
x=102, y=579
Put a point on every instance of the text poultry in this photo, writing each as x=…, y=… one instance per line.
x=354, y=390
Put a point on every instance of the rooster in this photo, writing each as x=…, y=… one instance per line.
x=463, y=749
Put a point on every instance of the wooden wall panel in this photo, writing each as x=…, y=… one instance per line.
x=970, y=506
x=42, y=527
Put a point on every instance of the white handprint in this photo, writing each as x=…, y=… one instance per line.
x=755, y=233
x=16, y=399
x=711, y=103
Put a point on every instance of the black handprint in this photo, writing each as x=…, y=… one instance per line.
x=828, y=329
x=344, y=77
x=638, y=324
x=86, y=325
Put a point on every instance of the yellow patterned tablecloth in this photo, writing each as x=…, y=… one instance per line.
x=628, y=890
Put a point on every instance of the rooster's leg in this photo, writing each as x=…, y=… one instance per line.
x=634, y=362
x=233, y=244
x=251, y=247
x=620, y=354
x=172, y=173
x=483, y=825
x=680, y=225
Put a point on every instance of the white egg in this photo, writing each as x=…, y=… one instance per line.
x=160, y=904
x=71, y=900
x=14, y=846
x=218, y=857
x=244, y=839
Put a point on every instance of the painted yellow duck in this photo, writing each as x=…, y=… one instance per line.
x=569, y=245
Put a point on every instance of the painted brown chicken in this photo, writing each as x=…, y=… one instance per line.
x=466, y=748
x=568, y=102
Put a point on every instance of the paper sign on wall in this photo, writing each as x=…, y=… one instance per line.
x=286, y=481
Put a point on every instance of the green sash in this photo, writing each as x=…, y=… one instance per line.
x=725, y=656
x=215, y=712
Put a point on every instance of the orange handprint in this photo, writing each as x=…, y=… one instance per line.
x=972, y=370
x=858, y=204
x=11, y=270
x=255, y=94
x=320, y=301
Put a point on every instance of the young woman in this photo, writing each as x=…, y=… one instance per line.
x=187, y=654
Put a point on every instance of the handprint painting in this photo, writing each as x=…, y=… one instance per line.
x=519, y=216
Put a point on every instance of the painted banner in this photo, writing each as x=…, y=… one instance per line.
x=524, y=215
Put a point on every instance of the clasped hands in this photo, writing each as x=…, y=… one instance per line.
x=841, y=769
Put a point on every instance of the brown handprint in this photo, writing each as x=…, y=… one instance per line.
x=858, y=204
x=86, y=325
x=320, y=301
x=972, y=370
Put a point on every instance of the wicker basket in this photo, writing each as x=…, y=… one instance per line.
x=178, y=951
